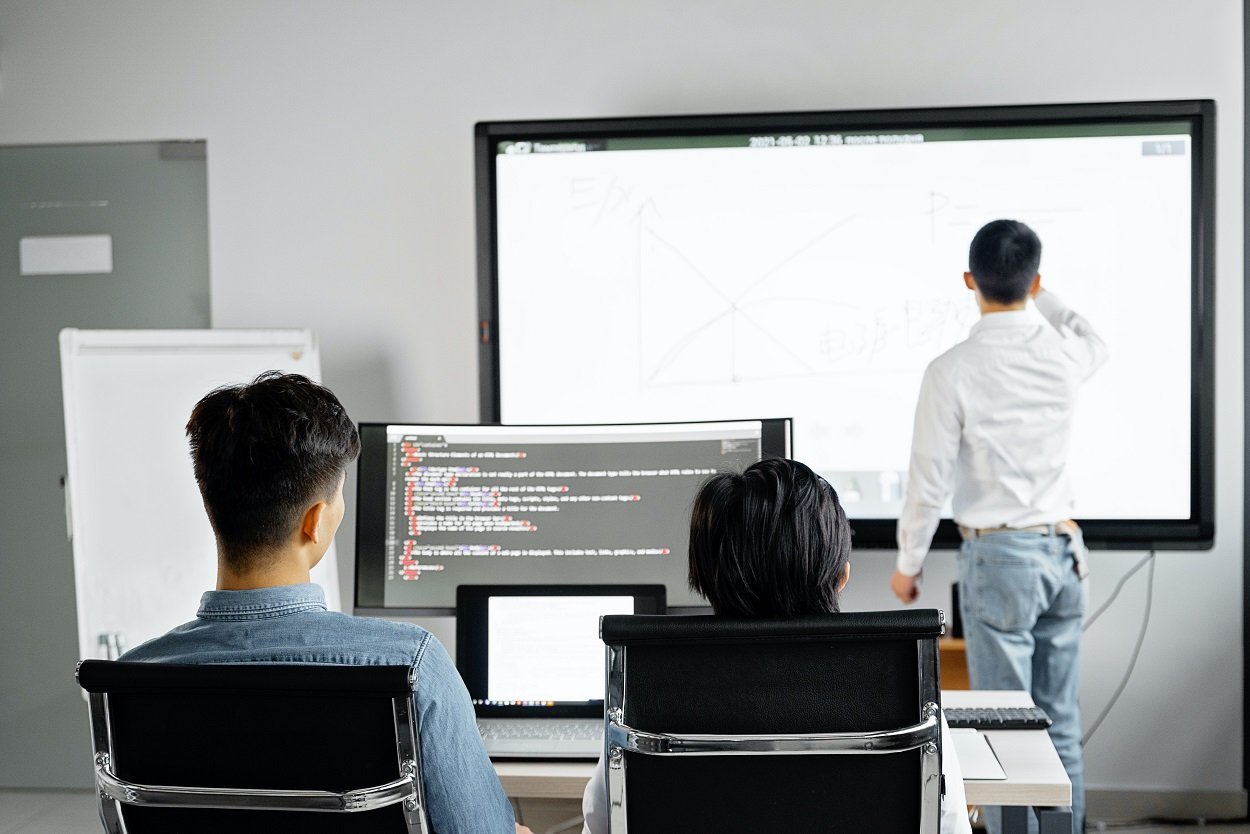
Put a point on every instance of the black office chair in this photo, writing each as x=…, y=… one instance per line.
x=823, y=723
x=217, y=748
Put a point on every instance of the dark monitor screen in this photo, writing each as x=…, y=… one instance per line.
x=441, y=506
x=689, y=267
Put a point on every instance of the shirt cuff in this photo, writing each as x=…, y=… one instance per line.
x=909, y=563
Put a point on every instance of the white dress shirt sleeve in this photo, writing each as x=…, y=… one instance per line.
x=930, y=478
x=1082, y=343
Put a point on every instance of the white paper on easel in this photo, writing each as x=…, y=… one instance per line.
x=143, y=548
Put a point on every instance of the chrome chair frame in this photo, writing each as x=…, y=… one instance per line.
x=926, y=736
x=112, y=791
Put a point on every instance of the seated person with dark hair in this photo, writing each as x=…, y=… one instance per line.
x=270, y=459
x=774, y=542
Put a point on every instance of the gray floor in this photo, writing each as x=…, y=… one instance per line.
x=48, y=812
x=74, y=812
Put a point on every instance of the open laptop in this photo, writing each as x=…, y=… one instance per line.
x=533, y=662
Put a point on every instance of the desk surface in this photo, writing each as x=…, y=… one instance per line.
x=1035, y=776
x=544, y=780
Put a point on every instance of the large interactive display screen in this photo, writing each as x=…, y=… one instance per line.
x=810, y=264
x=442, y=506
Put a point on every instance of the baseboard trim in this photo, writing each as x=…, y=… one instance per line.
x=1124, y=804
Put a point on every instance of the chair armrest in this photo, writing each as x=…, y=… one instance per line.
x=922, y=735
x=362, y=799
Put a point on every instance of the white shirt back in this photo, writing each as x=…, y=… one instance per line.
x=994, y=425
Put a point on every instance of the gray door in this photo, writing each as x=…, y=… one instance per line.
x=144, y=206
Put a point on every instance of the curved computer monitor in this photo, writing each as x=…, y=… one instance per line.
x=687, y=267
x=440, y=506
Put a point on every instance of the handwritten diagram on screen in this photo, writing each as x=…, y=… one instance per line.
x=818, y=282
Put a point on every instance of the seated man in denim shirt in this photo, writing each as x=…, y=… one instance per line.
x=270, y=459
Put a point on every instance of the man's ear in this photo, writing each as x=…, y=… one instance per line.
x=310, y=524
x=846, y=577
x=1036, y=286
x=969, y=281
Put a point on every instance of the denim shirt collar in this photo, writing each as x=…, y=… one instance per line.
x=261, y=603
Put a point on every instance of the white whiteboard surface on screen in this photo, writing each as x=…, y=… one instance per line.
x=143, y=547
x=691, y=268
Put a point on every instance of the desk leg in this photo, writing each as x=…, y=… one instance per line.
x=1054, y=820
x=1016, y=819
x=1049, y=820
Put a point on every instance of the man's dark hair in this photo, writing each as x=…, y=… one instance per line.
x=770, y=542
x=1003, y=259
x=263, y=453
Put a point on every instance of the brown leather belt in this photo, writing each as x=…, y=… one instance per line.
x=1062, y=528
x=1067, y=527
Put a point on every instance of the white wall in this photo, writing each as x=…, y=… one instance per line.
x=340, y=180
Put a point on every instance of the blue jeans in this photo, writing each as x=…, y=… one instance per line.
x=1022, y=605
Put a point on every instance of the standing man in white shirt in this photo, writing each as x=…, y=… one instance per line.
x=993, y=427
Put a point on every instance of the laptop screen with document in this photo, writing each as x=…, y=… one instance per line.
x=534, y=650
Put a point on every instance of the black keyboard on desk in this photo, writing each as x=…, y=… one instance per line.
x=997, y=718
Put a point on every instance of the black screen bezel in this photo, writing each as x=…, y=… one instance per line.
x=1193, y=533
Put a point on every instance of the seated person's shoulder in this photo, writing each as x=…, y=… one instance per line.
x=309, y=637
x=393, y=642
x=379, y=626
x=389, y=636
x=170, y=647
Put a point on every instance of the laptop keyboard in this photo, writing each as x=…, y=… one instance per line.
x=541, y=728
x=542, y=737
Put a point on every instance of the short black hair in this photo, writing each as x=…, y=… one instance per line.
x=1003, y=259
x=263, y=453
x=772, y=541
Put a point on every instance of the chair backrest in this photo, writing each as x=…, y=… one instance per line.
x=823, y=723
x=192, y=748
